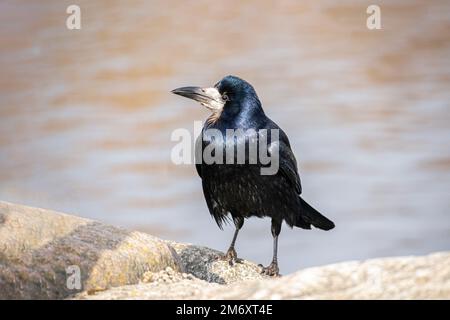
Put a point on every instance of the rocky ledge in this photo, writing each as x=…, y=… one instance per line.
x=50, y=255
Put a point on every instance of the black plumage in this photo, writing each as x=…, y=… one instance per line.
x=240, y=191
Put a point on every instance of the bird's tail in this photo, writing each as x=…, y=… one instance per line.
x=310, y=216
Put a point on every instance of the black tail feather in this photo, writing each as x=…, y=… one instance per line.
x=309, y=215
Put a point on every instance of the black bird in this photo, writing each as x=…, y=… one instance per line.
x=240, y=190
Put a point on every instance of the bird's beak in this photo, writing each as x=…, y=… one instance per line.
x=208, y=97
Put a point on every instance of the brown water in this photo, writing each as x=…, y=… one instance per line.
x=86, y=116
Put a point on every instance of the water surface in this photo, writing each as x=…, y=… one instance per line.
x=86, y=116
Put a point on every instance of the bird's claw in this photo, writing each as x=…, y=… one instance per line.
x=230, y=256
x=271, y=270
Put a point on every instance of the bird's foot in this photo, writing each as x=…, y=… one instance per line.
x=230, y=256
x=271, y=270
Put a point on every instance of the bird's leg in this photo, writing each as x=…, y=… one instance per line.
x=231, y=255
x=272, y=269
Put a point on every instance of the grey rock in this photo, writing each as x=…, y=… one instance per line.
x=426, y=277
x=37, y=246
x=202, y=262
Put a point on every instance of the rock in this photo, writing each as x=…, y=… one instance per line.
x=202, y=262
x=386, y=278
x=176, y=289
x=38, y=247
x=425, y=277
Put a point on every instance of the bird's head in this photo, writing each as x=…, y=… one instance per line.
x=231, y=94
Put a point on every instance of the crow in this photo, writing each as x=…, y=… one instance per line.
x=236, y=188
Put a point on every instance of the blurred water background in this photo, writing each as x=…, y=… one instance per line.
x=86, y=116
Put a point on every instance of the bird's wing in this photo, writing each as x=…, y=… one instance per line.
x=288, y=167
x=198, y=153
x=288, y=163
x=215, y=209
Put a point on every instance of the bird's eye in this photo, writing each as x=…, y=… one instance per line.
x=225, y=97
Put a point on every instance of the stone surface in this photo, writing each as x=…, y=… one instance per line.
x=36, y=247
x=426, y=277
x=202, y=262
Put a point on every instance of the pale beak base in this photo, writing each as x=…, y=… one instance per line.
x=208, y=97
